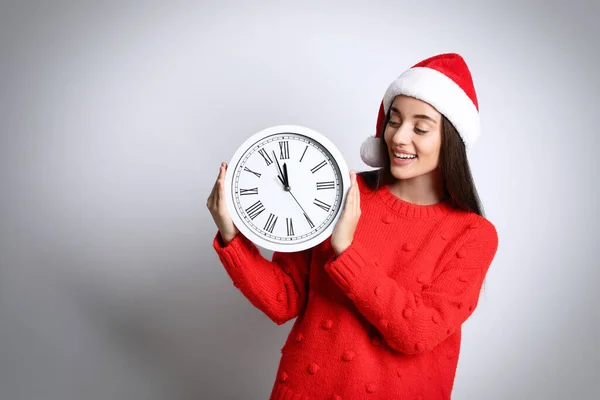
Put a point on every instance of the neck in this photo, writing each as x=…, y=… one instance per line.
x=421, y=190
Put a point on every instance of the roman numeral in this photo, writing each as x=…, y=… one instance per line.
x=323, y=205
x=265, y=156
x=255, y=209
x=303, y=153
x=290, y=227
x=318, y=166
x=325, y=185
x=312, y=225
x=284, y=149
x=270, y=224
x=245, y=192
x=252, y=172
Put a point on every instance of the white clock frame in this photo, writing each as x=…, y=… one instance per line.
x=255, y=237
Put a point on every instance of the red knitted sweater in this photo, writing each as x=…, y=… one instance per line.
x=382, y=320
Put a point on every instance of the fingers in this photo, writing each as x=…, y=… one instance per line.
x=221, y=186
x=353, y=199
x=212, y=201
x=344, y=231
x=351, y=192
x=220, y=192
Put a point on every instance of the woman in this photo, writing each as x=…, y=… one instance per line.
x=380, y=304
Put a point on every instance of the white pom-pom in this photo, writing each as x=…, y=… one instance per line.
x=370, y=152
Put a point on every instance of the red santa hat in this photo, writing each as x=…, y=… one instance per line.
x=444, y=81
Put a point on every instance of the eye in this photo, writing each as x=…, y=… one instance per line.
x=420, y=131
x=394, y=124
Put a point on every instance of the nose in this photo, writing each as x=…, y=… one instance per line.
x=402, y=135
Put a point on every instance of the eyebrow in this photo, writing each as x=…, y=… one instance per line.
x=419, y=116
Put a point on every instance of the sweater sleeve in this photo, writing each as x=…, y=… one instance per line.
x=413, y=322
x=279, y=288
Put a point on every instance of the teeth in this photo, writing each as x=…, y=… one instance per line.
x=406, y=156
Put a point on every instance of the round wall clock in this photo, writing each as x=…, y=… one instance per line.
x=286, y=187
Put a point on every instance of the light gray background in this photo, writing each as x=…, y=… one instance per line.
x=115, y=117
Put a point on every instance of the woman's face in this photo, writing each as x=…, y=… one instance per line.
x=413, y=136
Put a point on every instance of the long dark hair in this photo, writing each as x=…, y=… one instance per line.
x=459, y=187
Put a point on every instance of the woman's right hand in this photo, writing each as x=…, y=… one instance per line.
x=218, y=209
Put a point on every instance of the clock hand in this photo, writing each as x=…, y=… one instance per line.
x=305, y=214
x=281, y=180
x=286, y=177
x=280, y=172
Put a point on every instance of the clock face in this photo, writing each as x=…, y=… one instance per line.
x=286, y=188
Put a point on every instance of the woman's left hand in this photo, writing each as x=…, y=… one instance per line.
x=343, y=233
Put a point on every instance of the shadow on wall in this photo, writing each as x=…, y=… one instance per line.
x=169, y=331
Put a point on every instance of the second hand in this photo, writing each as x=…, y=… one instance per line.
x=298, y=204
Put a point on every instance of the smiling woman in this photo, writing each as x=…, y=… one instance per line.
x=381, y=303
x=423, y=157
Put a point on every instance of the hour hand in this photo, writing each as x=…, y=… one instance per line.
x=285, y=175
x=279, y=171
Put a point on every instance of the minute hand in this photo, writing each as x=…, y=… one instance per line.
x=305, y=214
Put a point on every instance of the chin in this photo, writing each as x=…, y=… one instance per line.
x=400, y=173
x=409, y=171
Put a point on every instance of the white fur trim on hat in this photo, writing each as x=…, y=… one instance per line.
x=441, y=92
x=370, y=152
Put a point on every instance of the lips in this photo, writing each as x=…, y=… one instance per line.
x=401, y=161
x=403, y=158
